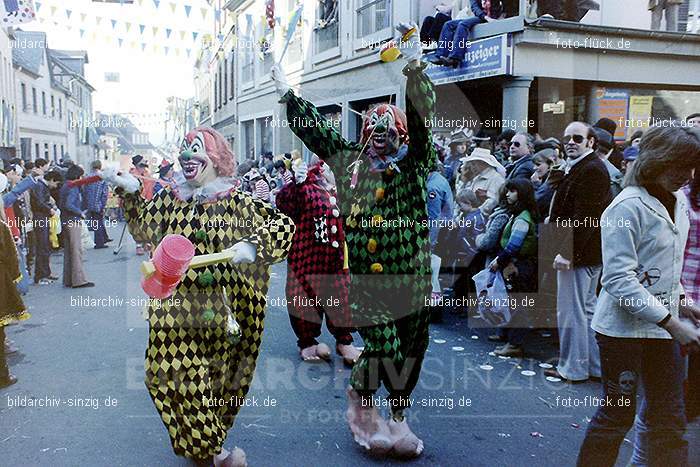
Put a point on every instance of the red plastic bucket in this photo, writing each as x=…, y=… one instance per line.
x=173, y=256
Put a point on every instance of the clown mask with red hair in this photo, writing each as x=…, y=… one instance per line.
x=204, y=156
x=386, y=128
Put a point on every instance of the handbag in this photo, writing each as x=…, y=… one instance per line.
x=493, y=301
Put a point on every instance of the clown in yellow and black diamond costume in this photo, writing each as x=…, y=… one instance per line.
x=190, y=358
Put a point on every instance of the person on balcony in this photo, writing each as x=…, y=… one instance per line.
x=432, y=25
x=667, y=8
x=456, y=34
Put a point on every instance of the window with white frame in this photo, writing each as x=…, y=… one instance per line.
x=373, y=16
x=326, y=31
x=248, y=55
x=693, y=16
x=265, y=134
x=232, y=72
x=23, y=89
x=248, y=136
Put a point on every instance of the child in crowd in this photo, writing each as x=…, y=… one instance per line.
x=459, y=243
x=517, y=257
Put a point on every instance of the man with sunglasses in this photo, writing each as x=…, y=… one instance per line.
x=579, y=201
x=520, y=151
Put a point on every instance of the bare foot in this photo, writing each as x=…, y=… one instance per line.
x=349, y=352
x=323, y=351
x=368, y=428
x=236, y=458
x=310, y=354
x=406, y=445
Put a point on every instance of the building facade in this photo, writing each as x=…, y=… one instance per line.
x=9, y=143
x=521, y=72
x=55, y=101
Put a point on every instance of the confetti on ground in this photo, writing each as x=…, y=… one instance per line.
x=475, y=337
x=528, y=373
x=503, y=358
x=493, y=354
x=536, y=434
x=546, y=402
x=504, y=435
x=486, y=367
x=545, y=365
x=439, y=341
x=457, y=348
x=575, y=425
x=553, y=379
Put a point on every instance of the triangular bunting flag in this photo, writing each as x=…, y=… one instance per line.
x=194, y=36
x=98, y=20
x=82, y=33
x=173, y=6
x=114, y=24
x=83, y=17
x=142, y=28
x=121, y=41
x=53, y=10
x=157, y=3
x=204, y=12
x=155, y=30
x=37, y=5
x=188, y=10
x=128, y=26
x=68, y=13
x=167, y=49
x=143, y=46
x=189, y=52
x=168, y=31
x=182, y=35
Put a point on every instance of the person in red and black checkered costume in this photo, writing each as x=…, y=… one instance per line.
x=317, y=278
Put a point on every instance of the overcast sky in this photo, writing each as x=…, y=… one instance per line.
x=146, y=78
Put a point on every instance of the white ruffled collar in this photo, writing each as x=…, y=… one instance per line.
x=212, y=191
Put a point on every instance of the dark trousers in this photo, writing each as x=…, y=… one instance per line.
x=432, y=26
x=42, y=249
x=307, y=327
x=657, y=366
x=454, y=38
x=96, y=221
x=4, y=370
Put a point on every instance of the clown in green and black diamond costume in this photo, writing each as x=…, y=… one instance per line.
x=388, y=240
x=191, y=358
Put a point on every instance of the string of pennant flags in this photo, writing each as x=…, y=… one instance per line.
x=187, y=9
x=121, y=42
x=135, y=35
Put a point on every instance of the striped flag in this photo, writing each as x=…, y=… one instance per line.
x=293, y=22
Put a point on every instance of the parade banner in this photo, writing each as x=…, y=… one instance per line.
x=17, y=11
x=484, y=57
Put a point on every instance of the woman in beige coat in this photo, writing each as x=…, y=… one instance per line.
x=484, y=175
